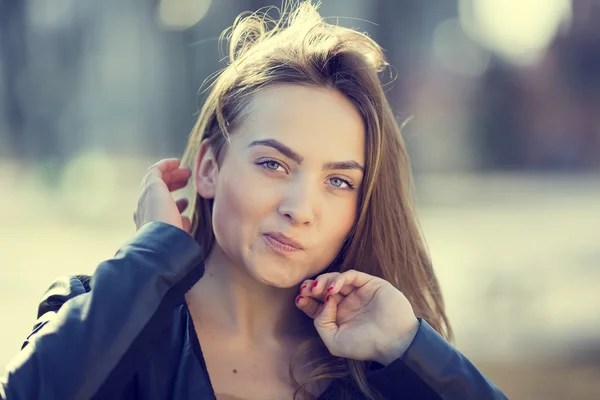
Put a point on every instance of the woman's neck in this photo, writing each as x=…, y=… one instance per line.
x=230, y=300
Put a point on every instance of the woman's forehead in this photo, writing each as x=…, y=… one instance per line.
x=308, y=119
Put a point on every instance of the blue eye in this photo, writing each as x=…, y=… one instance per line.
x=340, y=183
x=271, y=165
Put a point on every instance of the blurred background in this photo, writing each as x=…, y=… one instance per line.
x=504, y=97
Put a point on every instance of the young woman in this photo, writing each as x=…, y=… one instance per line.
x=301, y=272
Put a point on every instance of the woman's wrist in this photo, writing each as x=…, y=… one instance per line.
x=396, y=349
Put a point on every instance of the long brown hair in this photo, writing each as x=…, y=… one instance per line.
x=301, y=48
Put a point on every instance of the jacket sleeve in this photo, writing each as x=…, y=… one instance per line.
x=61, y=290
x=87, y=344
x=431, y=369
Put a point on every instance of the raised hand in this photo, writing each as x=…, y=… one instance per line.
x=359, y=316
x=156, y=202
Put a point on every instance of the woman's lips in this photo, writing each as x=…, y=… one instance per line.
x=281, y=243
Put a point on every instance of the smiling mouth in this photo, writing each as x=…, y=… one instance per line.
x=281, y=244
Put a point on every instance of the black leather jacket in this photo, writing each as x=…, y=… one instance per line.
x=131, y=337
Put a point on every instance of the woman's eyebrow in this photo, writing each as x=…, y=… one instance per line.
x=351, y=164
x=280, y=147
x=291, y=154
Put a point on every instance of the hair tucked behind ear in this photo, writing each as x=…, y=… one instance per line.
x=301, y=48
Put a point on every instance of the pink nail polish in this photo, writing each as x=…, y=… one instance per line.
x=314, y=285
x=330, y=289
x=298, y=299
x=327, y=298
x=302, y=287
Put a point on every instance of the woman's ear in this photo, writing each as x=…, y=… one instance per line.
x=206, y=172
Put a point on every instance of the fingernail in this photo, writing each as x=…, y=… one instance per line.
x=330, y=289
x=302, y=287
x=298, y=299
x=327, y=298
x=315, y=284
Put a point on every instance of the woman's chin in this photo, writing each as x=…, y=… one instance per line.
x=275, y=276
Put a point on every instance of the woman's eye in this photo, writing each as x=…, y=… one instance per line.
x=340, y=183
x=271, y=165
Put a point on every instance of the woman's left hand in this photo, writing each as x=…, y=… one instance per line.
x=359, y=316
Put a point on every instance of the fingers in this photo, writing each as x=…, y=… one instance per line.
x=169, y=172
x=313, y=295
x=182, y=204
x=163, y=166
x=324, y=315
x=333, y=283
x=313, y=307
x=325, y=322
x=177, y=178
x=155, y=202
x=318, y=288
x=157, y=170
x=338, y=285
x=316, y=292
x=346, y=282
x=353, y=278
x=310, y=306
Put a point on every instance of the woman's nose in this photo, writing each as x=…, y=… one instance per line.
x=299, y=203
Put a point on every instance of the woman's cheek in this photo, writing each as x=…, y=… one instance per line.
x=341, y=216
x=248, y=194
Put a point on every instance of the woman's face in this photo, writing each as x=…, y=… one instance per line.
x=286, y=193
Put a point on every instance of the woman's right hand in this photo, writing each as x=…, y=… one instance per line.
x=155, y=202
